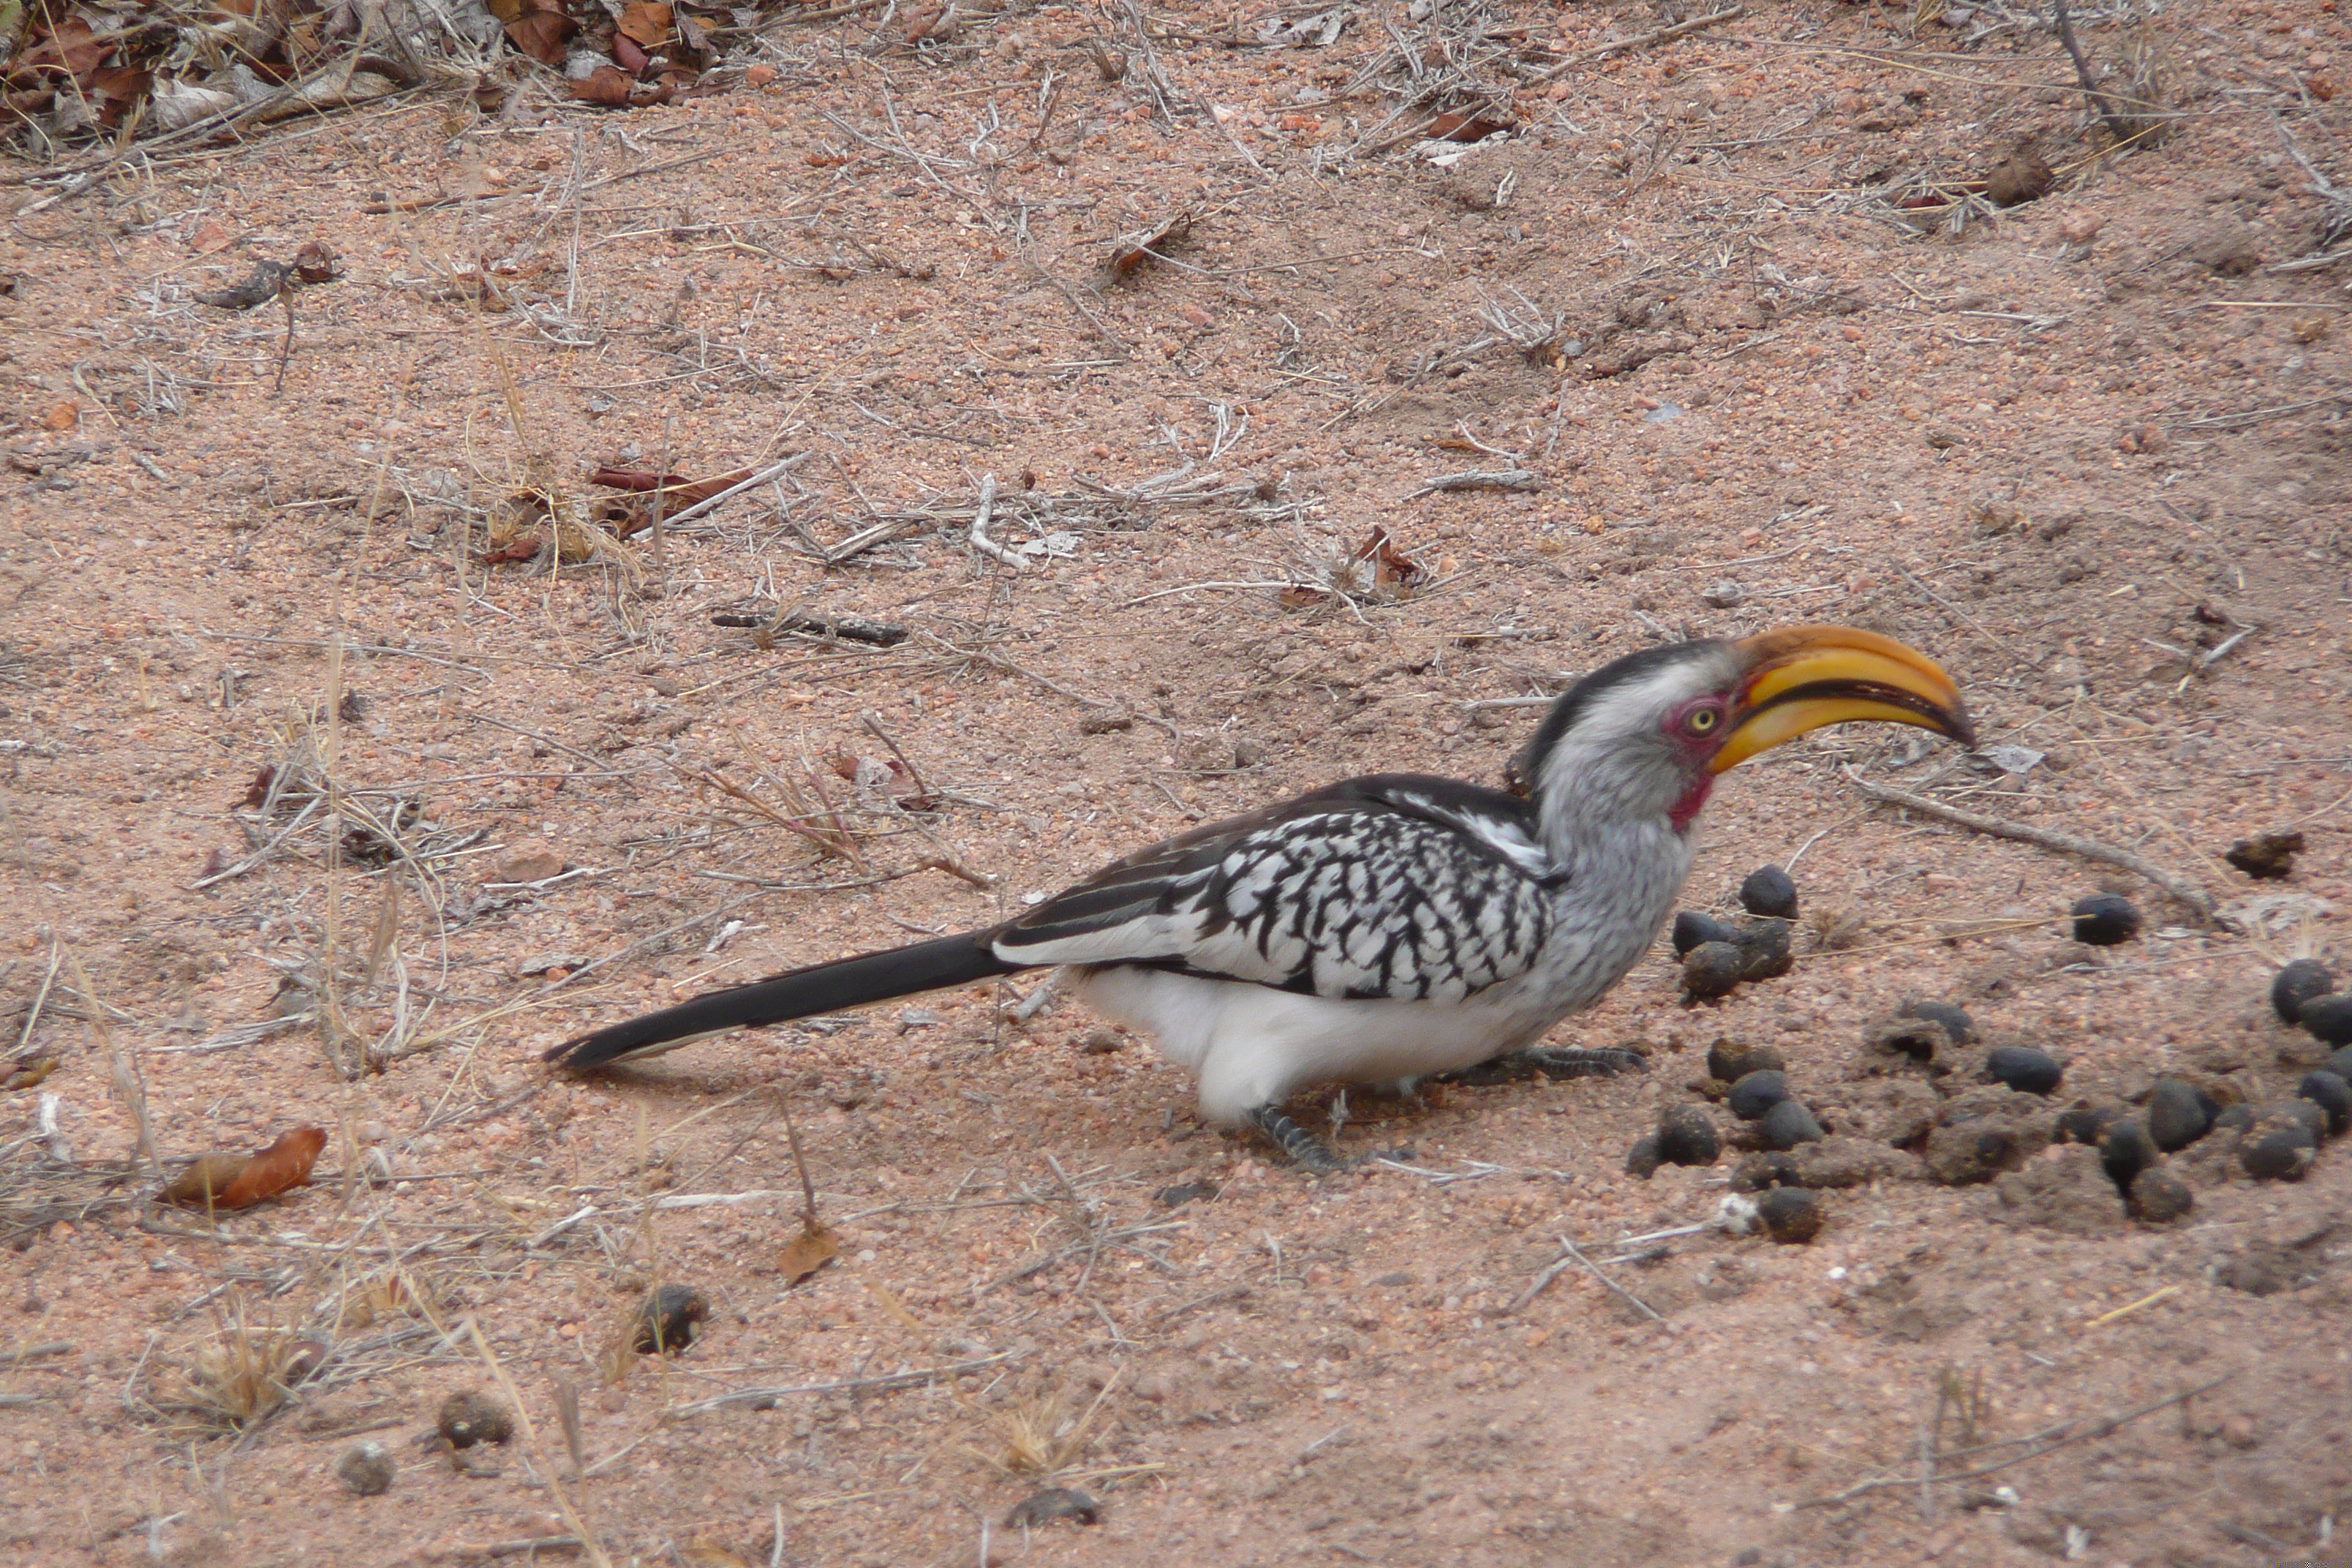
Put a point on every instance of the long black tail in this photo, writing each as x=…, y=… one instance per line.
x=820, y=988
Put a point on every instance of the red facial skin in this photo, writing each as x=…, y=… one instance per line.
x=1697, y=729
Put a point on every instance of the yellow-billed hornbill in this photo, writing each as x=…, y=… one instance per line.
x=1395, y=926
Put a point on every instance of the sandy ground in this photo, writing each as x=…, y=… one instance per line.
x=2070, y=450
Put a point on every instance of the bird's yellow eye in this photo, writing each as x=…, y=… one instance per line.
x=1703, y=722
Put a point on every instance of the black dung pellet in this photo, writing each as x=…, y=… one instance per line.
x=2178, y=1115
x=2266, y=857
x=470, y=1417
x=1756, y=1093
x=2125, y=1151
x=2234, y=1118
x=665, y=1323
x=2103, y=920
x=2330, y=1018
x=1787, y=1124
x=1791, y=1215
x=1731, y=1061
x=2023, y=1068
x=2087, y=1123
x=366, y=1470
x=1642, y=1160
x=1769, y=891
x=2303, y=1113
x=1712, y=968
x=2298, y=983
x=2339, y=1062
x=1761, y=1173
x=1955, y=1019
x=1685, y=1137
x=2159, y=1196
x=1692, y=927
x=1764, y=950
x=2328, y=1091
x=2278, y=1151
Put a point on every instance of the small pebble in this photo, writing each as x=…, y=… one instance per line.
x=1769, y=891
x=2328, y=1091
x=1052, y=1503
x=2125, y=1151
x=2178, y=1115
x=1731, y=1061
x=2298, y=983
x=1185, y=1192
x=1787, y=1124
x=2087, y=1123
x=2278, y=1151
x=1712, y=969
x=470, y=1417
x=2103, y=920
x=1756, y=1093
x=2159, y=1196
x=1685, y=1137
x=666, y=1321
x=1764, y=951
x=1692, y=927
x=1956, y=1020
x=366, y=1470
x=2330, y=1018
x=1791, y=1215
x=1642, y=1159
x=1760, y=1173
x=2023, y=1068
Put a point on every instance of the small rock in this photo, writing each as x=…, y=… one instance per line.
x=2296, y=984
x=1685, y=1137
x=1692, y=927
x=2159, y=1197
x=2023, y=1068
x=1642, y=1159
x=1943, y=437
x=366, y=1470
x=1769, y=891
x=2023, y=177
x=1730, y=1061
x=1759, y=1172
x=2331, y=1093
x=668, y=1319
x=2088, y=1123
x=2079, y=228
x=1711, y=969
x=1756, y=1093
x=1052, y=1503
x=2266, y=857
x=2178, y=1115
x=1955, y=1019
x=1103, y=1042
x=1792, y=1216
x=1723, y=594
x=1787, y=1124
x=2103, y=920
x=470, y=1417
x=2126, y=1149
x=2330, y=1018
x=531, y=866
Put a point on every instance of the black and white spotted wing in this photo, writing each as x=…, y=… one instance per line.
x=1394, y=885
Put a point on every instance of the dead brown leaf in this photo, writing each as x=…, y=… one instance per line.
x=816, y=1246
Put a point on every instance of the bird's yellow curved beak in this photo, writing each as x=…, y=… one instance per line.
x=1802, y=677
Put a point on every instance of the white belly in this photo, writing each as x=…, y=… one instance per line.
x=1250, y=1046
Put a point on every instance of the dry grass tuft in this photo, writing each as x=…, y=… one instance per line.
x=1042, y=1436
x=243, y=1374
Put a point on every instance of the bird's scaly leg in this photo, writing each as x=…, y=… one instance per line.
x=1306, y=1150
x=1553, y=1062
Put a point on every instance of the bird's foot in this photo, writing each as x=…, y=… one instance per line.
x=1555, y=1062
x=1309, y=1152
